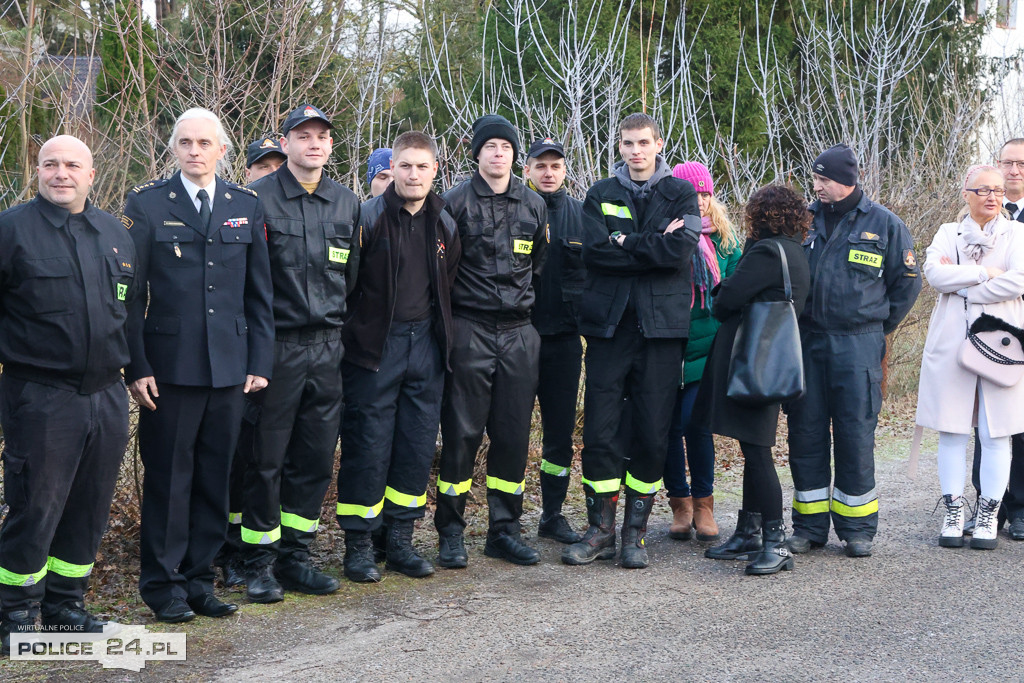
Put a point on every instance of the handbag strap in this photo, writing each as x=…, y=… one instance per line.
x=787, y=283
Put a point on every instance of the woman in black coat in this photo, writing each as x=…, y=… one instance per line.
x=775, y=215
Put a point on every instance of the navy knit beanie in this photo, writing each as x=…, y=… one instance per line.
x=838, y=163
x=494, y=126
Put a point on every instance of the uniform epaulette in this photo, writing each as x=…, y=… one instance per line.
x=138, y=189
x=242, y=188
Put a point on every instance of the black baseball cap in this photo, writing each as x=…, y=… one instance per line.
x=301, y=114
x=545, y=145
x=261, y=147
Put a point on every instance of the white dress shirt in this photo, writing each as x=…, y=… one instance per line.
x=193, y=190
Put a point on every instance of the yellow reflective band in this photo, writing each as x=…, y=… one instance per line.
x=522, y=246
x=506, y=486
x=337, y=255
x=404, y=499
x=234, y=518
x=642, y=486
x=815, y=508
x=293, y=521
x=616, y=210
x=362, y=511
x=604, y=485
x=450, y=489
x=72, y=571
x=553, y=469
x=868, y=259
x=253, y=537
x=122, y=291
x=854, y=510
x=9, y=578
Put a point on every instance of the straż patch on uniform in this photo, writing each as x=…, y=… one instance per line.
x=908, y=258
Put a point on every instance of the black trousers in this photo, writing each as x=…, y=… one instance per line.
x=187, y=445
x=762, y=492
x=561, y=357
x=62, y=454
x=492, y=386
x=1013, y=499
x=240, y=464
x=389, y=430
x=293, y=454
x=649, y=372
x=844, y=394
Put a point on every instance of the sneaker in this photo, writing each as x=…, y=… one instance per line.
x=952, y=534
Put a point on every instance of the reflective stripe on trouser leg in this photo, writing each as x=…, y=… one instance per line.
x=857, y=388
x=517, y=360
x=642, y=488
x=464, y=411
x=810, y=443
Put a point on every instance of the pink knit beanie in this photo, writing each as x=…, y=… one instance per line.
x=697, y=173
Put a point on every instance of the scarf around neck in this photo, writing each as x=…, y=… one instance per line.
x=704, y=266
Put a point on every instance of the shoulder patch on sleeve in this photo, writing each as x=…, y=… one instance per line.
x=908, y=258
x=127, y=222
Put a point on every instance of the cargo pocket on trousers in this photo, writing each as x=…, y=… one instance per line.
x=14, y=479
x=874, y=391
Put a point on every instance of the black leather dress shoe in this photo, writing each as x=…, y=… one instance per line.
x=176, y=611
x=209, y=606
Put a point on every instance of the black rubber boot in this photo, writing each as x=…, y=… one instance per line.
x=358, y=562
x=598, y=543
x=774, y=555
x=401, y=556
x=744, y=543
x=553, y=524
x=634, y=530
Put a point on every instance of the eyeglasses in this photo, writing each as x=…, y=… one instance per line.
x=1009, y=163
x=986, y=191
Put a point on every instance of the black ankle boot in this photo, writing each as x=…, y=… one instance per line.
x=744, y=542
x=358, y=562
x=774, y=555
x=553, y=524
x=401, y=556
x=598, y=543
x=634, y=530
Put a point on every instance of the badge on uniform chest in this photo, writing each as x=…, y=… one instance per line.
x=522, y=246
x=336, y=255
x=866, y=258
x=236, y=222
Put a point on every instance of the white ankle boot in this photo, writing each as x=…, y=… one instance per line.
x=952, y=535
x=985, y=530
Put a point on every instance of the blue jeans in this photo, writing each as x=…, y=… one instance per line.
x=700, y=450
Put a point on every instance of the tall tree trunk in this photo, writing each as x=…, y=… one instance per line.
x=26, y=106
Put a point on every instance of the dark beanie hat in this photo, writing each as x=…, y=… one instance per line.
x=494, y=126
x=838, y=163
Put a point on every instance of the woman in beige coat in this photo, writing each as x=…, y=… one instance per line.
x=977, y=265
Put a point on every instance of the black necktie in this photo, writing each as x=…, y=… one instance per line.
x=1011, y=208
x=204, y=209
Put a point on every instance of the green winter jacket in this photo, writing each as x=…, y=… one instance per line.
x=702, y=324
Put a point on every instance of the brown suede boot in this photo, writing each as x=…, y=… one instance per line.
x=704, y=519
x=682, y=518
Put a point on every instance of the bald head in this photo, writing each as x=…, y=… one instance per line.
x=65, y=172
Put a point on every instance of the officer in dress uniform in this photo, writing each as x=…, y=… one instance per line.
x=66, y=271
x=205, y=340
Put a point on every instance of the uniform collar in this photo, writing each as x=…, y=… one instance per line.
x=192, y=189
x=482, y=189
x=324, y=190
x=58, y=216
x=432, y=206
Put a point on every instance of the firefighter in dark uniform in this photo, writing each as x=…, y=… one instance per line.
x=555, y=318
x=864, y=280
x=263, y=156
x=495, y=349
x=312, y=224
x=204, y=341
x=67, y=271
x=398, y=337
x=640, y=228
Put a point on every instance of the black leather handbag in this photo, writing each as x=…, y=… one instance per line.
x=766, y=365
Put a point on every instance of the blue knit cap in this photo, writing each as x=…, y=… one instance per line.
x=380, y=160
